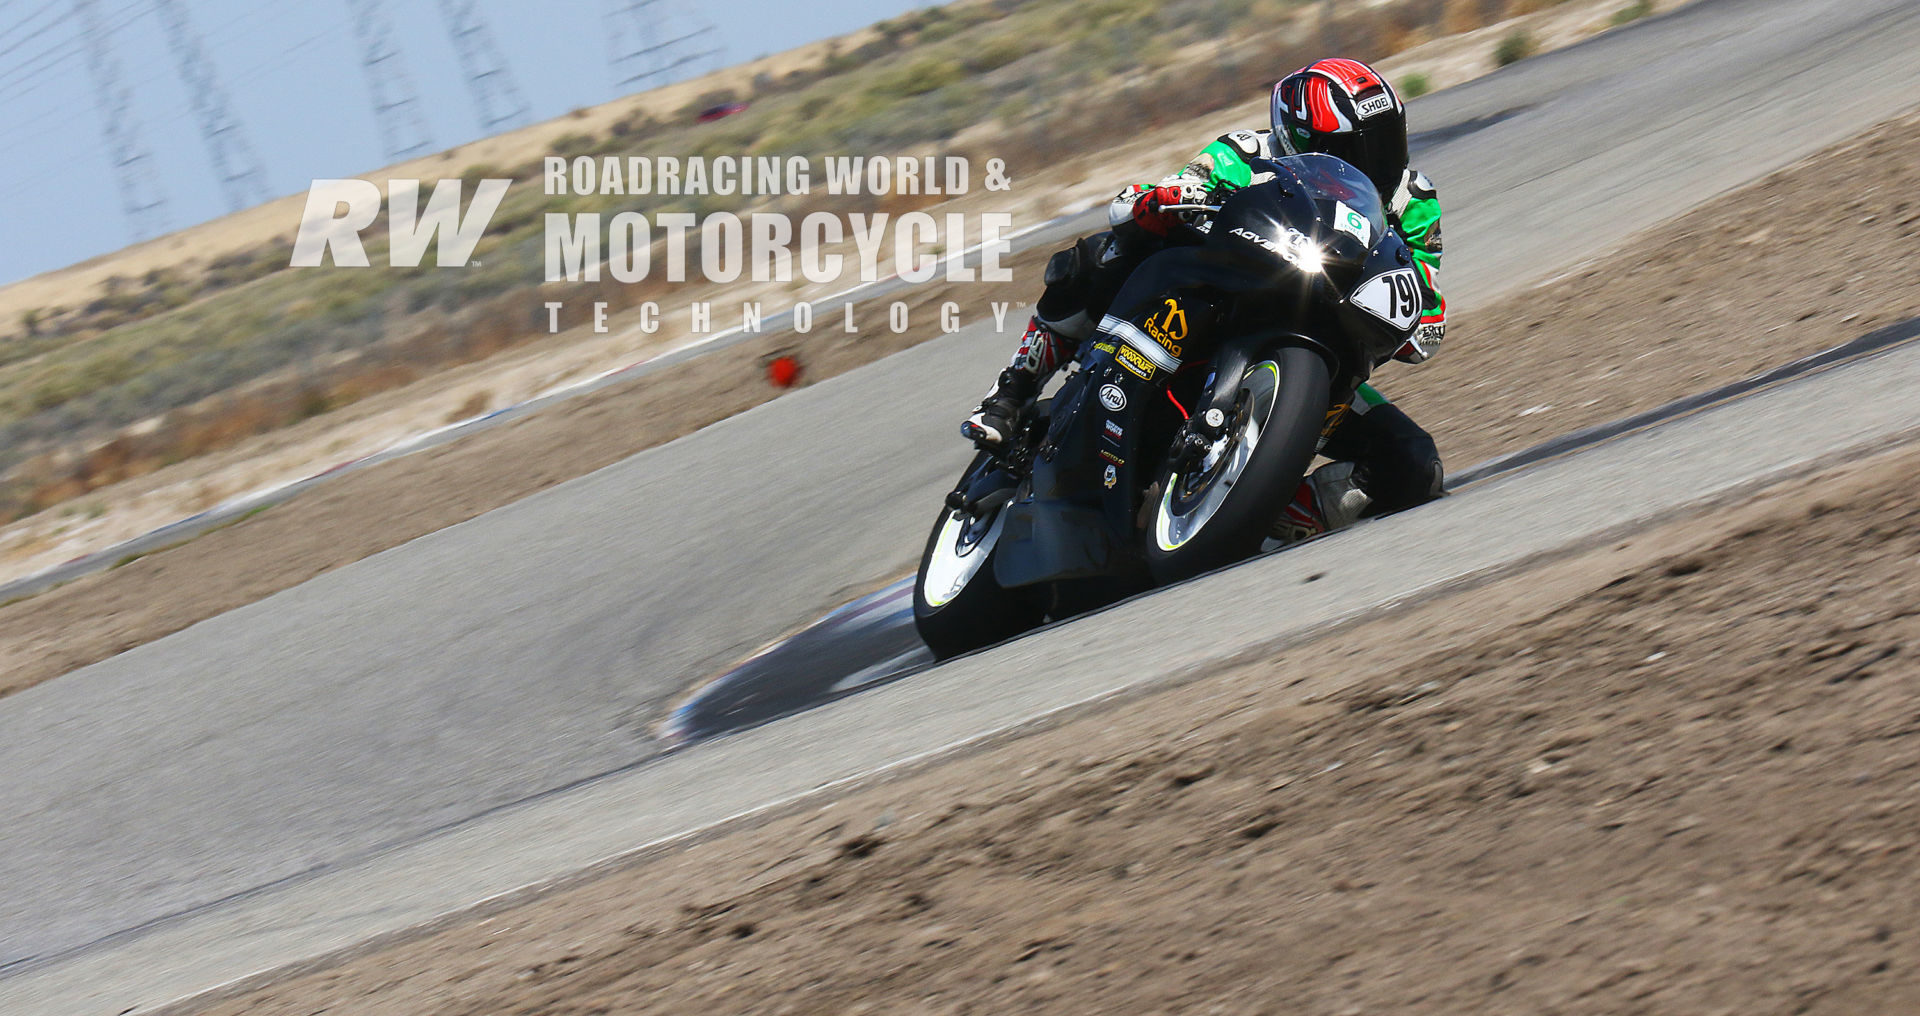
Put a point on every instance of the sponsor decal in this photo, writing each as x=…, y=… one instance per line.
x=1169, y=328
x=1348, y=221
x=1111, y=457
x=1103, y=347
x=1138, y=343
x=1115, y=431
x=1247, y=234
x=1113, y=398
x=1112, y=476
x=1298, y=250
x=1132, y=359
x=1375, y=106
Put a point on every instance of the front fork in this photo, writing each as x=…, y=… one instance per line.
x=1219, y=414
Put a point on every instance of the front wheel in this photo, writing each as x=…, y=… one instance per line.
x=1220, y=510
x=957, y=604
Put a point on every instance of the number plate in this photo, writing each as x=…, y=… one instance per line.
x=1393, y=298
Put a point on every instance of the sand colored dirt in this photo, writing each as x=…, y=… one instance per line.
x=1751, y=280
x=1676, y=773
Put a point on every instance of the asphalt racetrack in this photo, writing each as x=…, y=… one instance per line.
x=334, y=727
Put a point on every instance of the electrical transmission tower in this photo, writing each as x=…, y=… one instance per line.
x=395, y=105
x=495, y=96
x=234, y=161
x=140, y=195
x=654, y=42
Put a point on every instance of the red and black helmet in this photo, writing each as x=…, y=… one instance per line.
x=1345, y=109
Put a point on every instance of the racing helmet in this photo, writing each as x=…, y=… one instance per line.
x=1345, y=109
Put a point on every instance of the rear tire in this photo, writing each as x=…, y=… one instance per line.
x=1223, y=509
x=958, y=606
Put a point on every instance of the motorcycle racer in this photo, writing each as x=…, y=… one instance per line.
x=1383, y=461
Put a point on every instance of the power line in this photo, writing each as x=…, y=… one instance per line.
x=234, y=161
x=36, y=33
x=651, y=42
x=140, y=195
x=49, y=58
x=395, y=104
x=495, y=96
x=23, y=22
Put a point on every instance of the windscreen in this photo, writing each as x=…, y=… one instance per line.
x=1347, y=200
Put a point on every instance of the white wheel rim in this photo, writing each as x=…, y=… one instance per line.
x=954, y=563
x=1173, y=529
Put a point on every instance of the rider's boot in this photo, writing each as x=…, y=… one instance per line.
x=1327, y=500
x=997, y=421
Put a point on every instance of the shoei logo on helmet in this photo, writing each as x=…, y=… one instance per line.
x=1378, y=104
x=1113, y=398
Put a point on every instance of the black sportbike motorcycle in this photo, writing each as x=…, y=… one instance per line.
x=1195, y=411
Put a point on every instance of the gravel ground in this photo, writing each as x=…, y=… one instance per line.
x=1674, y=774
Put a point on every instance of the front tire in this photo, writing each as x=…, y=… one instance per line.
x=1221, y=511
x=958, y=606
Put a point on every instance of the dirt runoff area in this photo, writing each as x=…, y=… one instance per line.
x=1674, y=774
x=1661, y=319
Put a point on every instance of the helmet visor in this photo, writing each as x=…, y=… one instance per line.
x=1378, y=149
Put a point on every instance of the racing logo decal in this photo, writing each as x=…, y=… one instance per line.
x=1169, y=329
x=1112, y=476
x=1113, y=398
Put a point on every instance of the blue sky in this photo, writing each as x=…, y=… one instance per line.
x=292, y=72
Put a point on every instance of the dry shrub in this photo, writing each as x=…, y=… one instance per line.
x=477, y=403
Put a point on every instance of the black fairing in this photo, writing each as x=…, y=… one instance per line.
x=1069, y=522
x=1254, y=281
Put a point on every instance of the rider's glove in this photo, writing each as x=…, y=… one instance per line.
x=1147, y=208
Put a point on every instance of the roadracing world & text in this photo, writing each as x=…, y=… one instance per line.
x=718, y=247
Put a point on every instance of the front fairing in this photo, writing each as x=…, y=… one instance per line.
x=1075, y=518
x=1321, y=226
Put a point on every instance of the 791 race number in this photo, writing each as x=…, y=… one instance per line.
x=1393, y=297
